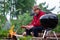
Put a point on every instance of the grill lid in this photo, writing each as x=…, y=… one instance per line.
x=49, y=20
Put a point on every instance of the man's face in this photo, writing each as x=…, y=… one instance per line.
x=36, y=11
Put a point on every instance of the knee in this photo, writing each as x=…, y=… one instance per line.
x=24, y=34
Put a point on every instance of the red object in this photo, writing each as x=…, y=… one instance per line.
x=36, y=20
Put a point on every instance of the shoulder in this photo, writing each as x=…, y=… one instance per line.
x=42, y=12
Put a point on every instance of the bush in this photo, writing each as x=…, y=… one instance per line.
x=57, y=29
x=3, y=33
x=23, y=19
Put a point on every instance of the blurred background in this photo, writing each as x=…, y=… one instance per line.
x=19, y=12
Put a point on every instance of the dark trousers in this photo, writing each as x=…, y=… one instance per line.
x=35, y=30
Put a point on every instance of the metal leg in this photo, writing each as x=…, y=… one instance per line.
x=47, y=32
x=55, y=35
x=44, y=34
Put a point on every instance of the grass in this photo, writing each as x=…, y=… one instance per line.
x=57, y=29
x=25, y=38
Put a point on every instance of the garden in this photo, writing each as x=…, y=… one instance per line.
x=15, y=13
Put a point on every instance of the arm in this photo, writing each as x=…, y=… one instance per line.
x=29, y=26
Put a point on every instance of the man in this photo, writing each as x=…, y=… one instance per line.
x=35, y=26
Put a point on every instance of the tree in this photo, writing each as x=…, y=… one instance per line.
x=41, y=5
x=16, y=8
x=25, y=4
x=23, y=17
x=21, y=6
x=3, y=18
x=2, y=21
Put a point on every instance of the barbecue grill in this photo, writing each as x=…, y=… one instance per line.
x=49, y=22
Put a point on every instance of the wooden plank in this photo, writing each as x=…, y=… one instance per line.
x=48, y=38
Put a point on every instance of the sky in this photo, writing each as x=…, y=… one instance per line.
x=51, y=3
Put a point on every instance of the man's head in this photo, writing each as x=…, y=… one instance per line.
x=36, y=9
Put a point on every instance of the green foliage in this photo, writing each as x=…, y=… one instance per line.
x=41, y=5
x=22, y=12
x=59, y=20
x=23, y=19
x=3, y=33
x=14, y=6
x=25, y=4
x=21, y=6
x=26, y=38
x=2, y=21
x=57, y=29
x=4, y=7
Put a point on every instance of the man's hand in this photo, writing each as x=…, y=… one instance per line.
x=23, y=26
x=27, y=26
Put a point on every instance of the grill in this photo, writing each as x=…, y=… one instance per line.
x=49, y=21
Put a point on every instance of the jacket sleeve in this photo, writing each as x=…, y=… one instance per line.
x=32, y=22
